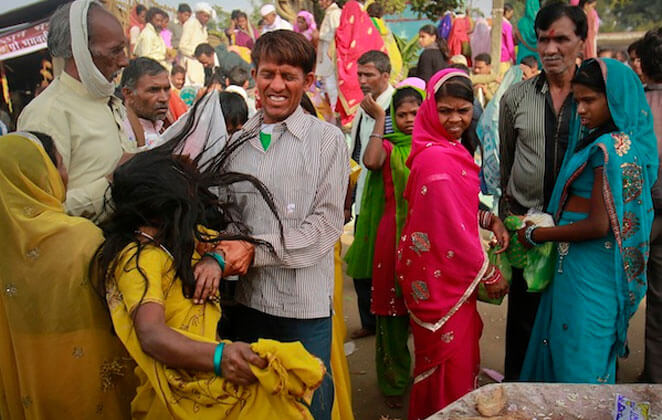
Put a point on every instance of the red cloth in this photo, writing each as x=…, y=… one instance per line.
x=459, y=34
x=455, y=358
x=134, y=20
x=355, y=36
x=441, y=259
x=385, y=301
x=176, y=107
x=590, y=44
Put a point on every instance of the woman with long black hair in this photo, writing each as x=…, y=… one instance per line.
x=159, y=269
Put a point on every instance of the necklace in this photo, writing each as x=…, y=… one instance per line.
x=151, y=238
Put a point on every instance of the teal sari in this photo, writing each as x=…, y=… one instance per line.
x=525, y=26
x=582, y=321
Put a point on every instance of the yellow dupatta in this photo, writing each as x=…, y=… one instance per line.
x=58, y=358
x=284, y=388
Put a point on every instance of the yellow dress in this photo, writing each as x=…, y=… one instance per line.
x=58, y=357
x=342, y=404
x=163, y=393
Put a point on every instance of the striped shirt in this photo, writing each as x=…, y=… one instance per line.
x=533, y=141
x=306, y=169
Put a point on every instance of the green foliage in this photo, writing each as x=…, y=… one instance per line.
x=433, y=10
x=408, y=50
x=392, y=7
x=630, y=15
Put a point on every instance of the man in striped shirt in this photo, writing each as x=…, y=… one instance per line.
x=533, y=129
x=286, y=295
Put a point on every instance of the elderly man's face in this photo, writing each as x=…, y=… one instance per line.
x=149, y=100
x=559, y=46
x=107, y=43
x=203, y=17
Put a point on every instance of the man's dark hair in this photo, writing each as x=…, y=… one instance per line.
x=140, y=8
x=205, y=49
x=375, y=10
x=184, y=8
x=153, y=11
x=484, y=57
x=378, y=58
x=552, y=12
x=507, y=7
x=284, y=47
x=238, y=76
x=530, y=61
x=137, y=68
x=235, y=109
x=633, y=47
x=177, y=69
x=650, y=54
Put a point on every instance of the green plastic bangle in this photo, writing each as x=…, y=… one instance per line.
x=219, y=259
x=218, y=356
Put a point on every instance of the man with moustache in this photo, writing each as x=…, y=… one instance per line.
x=374, y=73
x=534, y=128
x=149, y=43
x=146, y=90
x=286, y=294
x=78, y=110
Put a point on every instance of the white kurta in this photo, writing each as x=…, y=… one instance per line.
x=193, y=34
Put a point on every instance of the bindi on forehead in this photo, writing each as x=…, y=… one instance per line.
x=552, y=32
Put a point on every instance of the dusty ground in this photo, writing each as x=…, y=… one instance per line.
x=366, y=399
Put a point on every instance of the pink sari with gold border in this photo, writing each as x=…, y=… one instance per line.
x=441, y=261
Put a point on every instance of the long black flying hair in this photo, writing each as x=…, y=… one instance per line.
x=168, y=191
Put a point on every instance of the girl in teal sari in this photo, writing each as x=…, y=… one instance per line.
x=603, y=209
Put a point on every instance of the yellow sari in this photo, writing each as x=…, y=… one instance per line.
x=284, y=388
x=58, y=358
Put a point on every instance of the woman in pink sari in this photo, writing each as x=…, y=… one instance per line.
x=355, y=35
x=440, y=257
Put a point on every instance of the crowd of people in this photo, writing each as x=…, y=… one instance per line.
x=173, y=209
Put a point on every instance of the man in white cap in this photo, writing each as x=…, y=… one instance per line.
x=273, y=22
x=194, y=33
x=78, y=110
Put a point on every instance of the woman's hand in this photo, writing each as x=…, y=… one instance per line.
x=236, y=361
x=521, y=236
x=498, y=289
x=208, y=275
x=372, y=108
x=501, y=234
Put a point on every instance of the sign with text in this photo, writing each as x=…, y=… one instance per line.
x=24, y=41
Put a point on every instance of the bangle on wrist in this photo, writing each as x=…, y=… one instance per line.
x=485, y=219
x=492, y=276
x=218, y=257
x=528, y=235
x=218, y=356
x=377, y=136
